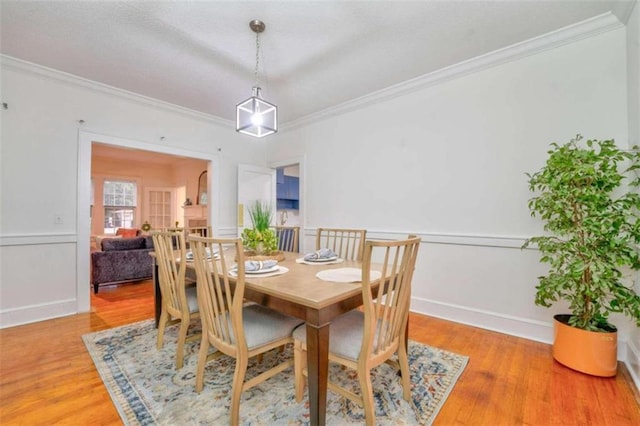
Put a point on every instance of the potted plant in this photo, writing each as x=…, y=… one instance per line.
x=587, y=196
x=261, y=240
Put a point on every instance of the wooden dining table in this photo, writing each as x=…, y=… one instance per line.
x=301, y=294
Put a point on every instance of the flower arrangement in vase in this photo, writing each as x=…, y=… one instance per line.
x=260, y=240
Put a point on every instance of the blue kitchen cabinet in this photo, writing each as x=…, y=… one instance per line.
x=288, y=193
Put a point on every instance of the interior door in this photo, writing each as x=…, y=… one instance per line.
x=159, y=205
x=254, y=184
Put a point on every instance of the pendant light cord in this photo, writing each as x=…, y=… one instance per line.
x=257, y=58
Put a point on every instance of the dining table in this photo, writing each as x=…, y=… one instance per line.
x=301, y=294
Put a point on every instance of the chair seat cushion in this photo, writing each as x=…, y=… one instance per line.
x=263, y=325
x=192, y=299
x=345, y=335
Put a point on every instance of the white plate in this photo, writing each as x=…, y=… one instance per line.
x=328, y=259
x=262, y=271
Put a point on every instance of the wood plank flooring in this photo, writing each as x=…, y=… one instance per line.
x=47, y=376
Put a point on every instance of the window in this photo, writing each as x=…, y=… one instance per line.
x=119, y=200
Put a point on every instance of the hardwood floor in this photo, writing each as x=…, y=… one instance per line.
x=47, y=376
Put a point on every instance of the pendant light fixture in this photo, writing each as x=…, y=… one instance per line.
x=255, y=116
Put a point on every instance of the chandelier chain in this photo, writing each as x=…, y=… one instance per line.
x=257, y=58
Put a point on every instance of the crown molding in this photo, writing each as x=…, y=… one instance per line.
x=11, y=63
x=569, y=34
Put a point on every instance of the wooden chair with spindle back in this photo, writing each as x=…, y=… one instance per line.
x=288, y=238
x=230, y=326
x=346, y=243
x=179, y=301
x=364, y=339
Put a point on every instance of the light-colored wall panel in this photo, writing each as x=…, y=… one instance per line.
x=452, y=158
x=633, y=79
x=448, y=162
x=633, y=74
x=38, y=282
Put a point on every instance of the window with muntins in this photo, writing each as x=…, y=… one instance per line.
x=119, y=200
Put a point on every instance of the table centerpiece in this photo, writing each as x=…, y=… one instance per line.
x=261, y=242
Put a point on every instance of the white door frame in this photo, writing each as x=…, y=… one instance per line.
x=83, y=224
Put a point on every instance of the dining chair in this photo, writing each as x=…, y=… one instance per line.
x=346, y=243
x=230, y=326
x=203, y=231
x=288, y=238
x=364, y=339
x=179, y=301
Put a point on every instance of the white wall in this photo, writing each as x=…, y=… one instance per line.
x=39, y=157
x=448, y=161
x=633, y=74
x=633, y=79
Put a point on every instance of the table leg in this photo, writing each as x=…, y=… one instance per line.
x=317, y=367
x=157, y=296
x=406, y=334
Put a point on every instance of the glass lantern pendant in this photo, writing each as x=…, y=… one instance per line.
x=256, y=117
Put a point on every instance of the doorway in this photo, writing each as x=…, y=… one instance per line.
x=163, y=187
x=290, y=195
x=83, y=230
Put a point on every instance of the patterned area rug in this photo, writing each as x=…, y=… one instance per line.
x=146, y=388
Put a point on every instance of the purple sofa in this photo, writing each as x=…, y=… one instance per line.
x=122, y=260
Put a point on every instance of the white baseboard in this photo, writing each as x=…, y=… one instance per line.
x=632, y=361
x=514, y=326
x=39, y=312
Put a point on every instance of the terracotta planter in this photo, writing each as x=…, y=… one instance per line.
x=589, y=352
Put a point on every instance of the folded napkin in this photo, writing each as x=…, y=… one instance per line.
x=258, y=265
x=323, y=253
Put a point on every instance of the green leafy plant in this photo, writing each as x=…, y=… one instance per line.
x=260, y=214
x=260, y=239
x=588, y=198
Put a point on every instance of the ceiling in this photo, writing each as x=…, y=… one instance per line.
x=314, y=54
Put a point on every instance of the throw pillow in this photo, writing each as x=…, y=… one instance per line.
x=127, y=232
